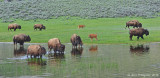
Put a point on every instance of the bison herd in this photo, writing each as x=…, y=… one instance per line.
x=55, y=43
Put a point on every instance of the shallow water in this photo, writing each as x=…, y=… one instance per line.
x=91, y=61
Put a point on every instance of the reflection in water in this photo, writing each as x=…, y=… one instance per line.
x=36, y=62
x=93, y=48
x=55, y=59
x=20, y=52
x=77, y=51
x=139, y=49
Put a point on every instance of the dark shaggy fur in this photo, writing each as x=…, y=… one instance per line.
x=139, y=32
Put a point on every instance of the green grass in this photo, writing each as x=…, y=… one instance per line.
x=109, y=30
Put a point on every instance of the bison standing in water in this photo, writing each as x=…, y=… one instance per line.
x=56, y=45
x=36, y=50
x=138, y=32
x=14, y=26
x=39, y=26
x=133, y=23
x=76, y=40
x=21, y=38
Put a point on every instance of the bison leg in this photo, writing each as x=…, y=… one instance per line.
x=138, y=38
x=142, y=37
x=15, y=29
x=21, y=44
x=40, y=56
x=130, y=37
x=91, y=39
x=96, y=38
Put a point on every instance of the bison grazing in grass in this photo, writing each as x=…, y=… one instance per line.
x=21, y=38
x=56, y=45
x=39, y=26
x=76, y=40
x=139, y=32
x=92, y=36
x=36, y=51
x=133, y=23
x=14, y=26
x=81, y=26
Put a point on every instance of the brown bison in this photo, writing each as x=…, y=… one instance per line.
x=56, y=45
x=76, y=40
x=21, y=38
x=36, y=51
x=39, y=26
x=92, y=36
x=138, y=32
x=14, y=26
x=81, y=26
x=133, y=23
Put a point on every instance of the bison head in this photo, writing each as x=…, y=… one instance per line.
x=28, y=38
x=43, y=50
x=78, y=40
x=43, y=27
x=61, y=48
x=139, y=25
x=19, y=27
x=146, y=32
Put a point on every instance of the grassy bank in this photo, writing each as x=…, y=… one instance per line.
x=109, y=30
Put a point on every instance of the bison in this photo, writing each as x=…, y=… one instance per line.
x=92, y=36
x=76, y=40
x=39, y=26
x=81, y=26
x=133, y=23
x=139, y=32
x=56, y=45
x=36, y=51
x=21, y=38
x=14, y=26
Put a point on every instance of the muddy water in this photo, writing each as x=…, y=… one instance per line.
x=91, y=61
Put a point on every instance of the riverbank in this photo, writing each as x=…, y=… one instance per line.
x=109, y=30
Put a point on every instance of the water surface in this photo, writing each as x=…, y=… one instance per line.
x=91, y=61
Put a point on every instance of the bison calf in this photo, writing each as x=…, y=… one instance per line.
x=81, y=26
x=92, y=36
x=139, y=32
x=36, y=50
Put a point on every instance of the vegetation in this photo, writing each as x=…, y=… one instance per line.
x=109, y=30
x=48, y=9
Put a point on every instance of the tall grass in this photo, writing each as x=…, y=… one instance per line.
x=48, y=9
